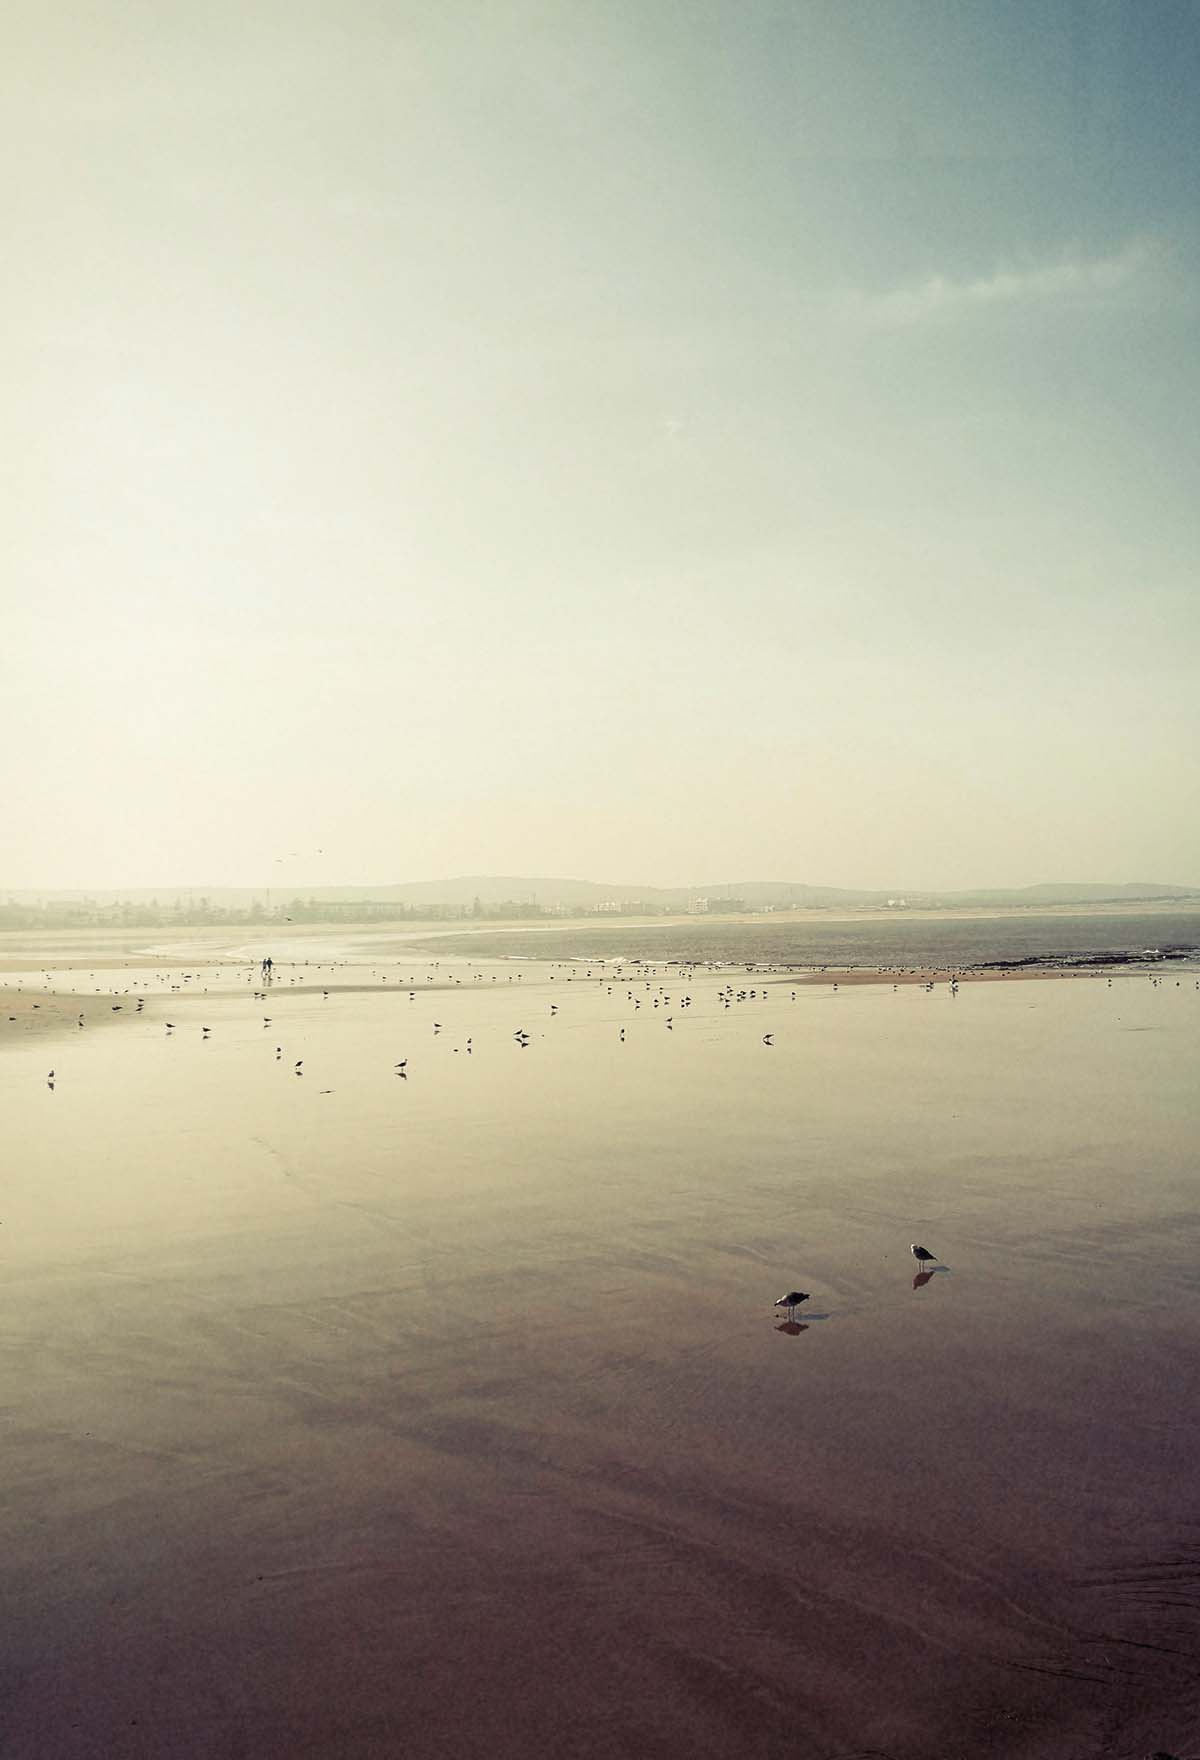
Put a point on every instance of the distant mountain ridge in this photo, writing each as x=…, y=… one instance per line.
x=489, y=891
x=755, y=894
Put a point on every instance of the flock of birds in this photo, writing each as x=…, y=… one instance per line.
x=728, y=996
x=191, y=983
x=640, y=990
x=632, y=978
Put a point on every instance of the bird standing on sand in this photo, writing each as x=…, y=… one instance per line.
x=922, y=1254
x=792, y=1300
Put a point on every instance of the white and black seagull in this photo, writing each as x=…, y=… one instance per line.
x=922, y=1254
x=792, y=1300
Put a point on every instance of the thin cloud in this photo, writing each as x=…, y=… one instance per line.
x=1072, y=281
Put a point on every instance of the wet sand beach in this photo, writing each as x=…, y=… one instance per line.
x=365, y=1412
x=28, y=1013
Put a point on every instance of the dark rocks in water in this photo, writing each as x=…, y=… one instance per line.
x=1150, y=956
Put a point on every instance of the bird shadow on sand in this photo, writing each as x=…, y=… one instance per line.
x=924, y=1277
x=794, y=1328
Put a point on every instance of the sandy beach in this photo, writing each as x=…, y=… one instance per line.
x=356, y=1411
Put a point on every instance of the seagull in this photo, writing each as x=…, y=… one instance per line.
x=768, y=1038
x=921, y=1254
x=792, y=1300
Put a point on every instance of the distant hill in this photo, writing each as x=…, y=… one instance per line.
x=478, y=893
x=548, y=893
x=1087, y=893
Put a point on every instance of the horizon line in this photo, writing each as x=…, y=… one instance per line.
x=628, y=888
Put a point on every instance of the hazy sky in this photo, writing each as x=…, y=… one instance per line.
x=657, y=440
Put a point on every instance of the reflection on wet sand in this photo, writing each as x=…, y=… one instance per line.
x=265, y=1495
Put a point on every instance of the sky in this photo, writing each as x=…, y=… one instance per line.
x=627, y=439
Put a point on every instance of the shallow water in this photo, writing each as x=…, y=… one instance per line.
x=347, y=1413
x=812, y=938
